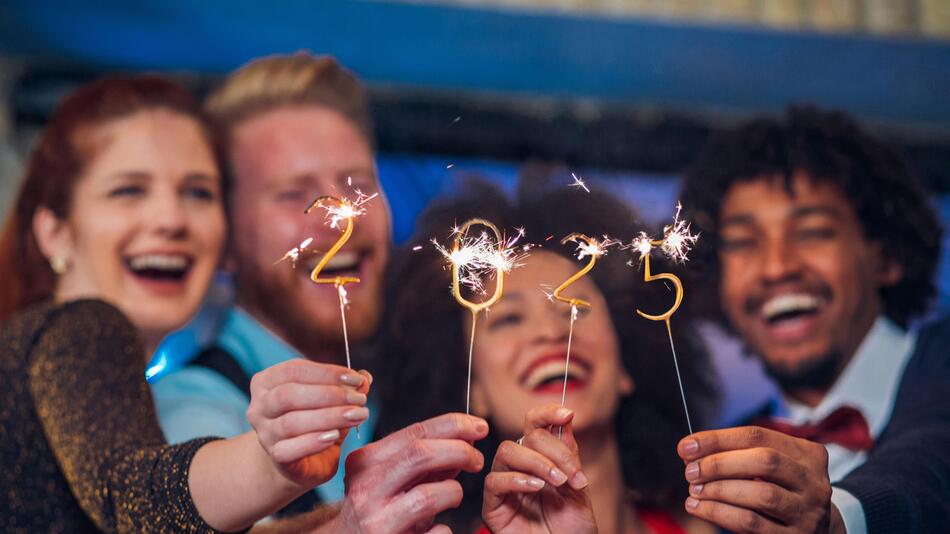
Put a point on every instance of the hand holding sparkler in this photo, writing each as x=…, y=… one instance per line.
x=676, y=242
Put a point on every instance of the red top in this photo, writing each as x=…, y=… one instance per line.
x=658, y=521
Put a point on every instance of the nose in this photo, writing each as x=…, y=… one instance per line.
x=552, y=325
x=780, y=261
x=167, y=214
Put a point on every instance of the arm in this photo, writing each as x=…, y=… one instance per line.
x=86, y=380
x=903, y=486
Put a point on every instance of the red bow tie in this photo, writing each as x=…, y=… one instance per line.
x=845, y=427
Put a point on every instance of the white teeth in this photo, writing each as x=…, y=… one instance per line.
x=165, y=262
x=789, y=303
x=343, y=260
x=552, y=369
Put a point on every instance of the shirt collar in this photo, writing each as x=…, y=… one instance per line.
x=251, y=344
x=869, y=382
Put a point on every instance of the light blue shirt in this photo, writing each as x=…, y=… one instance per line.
x=869, y=383
x=196, y=401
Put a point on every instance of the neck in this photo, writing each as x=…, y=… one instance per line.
x=310, y=346
x=600, y=458
x=812, y=396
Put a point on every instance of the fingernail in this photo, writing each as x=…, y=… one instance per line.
x=692, y=471
x=692, y=503
x=563, y=413
x=696, y=489
x=356, y=414
x=351, y=379
x=332, y=435
x=579, y=481
x=355, y=397
x=535, y=483
x=558, y=476
x=481, y=426
x=691, y=446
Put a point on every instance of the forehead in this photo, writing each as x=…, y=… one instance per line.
x=547, y=269
x=766, y=198
x=146, y=139
x=298, y=139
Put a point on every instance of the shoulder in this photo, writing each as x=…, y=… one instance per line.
x=197, y=401
x=931, y=356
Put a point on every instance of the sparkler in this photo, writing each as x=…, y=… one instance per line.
x=676, y=243
x=474, y=259
x=578, y=183
x=586, y=247
x=338, y=210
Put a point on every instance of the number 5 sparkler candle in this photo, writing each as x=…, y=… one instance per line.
x=676, y=242
x=473, y=259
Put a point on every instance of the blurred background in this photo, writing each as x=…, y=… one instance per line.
x=621, y=92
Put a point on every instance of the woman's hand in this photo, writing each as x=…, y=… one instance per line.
x=538, y=486
x=301, y=411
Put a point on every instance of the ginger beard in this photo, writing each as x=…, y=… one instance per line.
x=282, y=160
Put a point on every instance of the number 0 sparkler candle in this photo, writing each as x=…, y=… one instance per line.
x=473, y=259
x=676, y=242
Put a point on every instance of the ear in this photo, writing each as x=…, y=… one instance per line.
x=627, y=385
x=53, y=235
x=480, y=400
x=890, y=271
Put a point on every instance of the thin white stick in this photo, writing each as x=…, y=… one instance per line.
x=567, y=362
x=678, y=379
x=346, y=341
x=471, y=345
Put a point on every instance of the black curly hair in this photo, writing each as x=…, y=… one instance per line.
x=423, y=340
x=829, y=147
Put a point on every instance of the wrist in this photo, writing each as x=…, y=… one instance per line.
x=836, y=524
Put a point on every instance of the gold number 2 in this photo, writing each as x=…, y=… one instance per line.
x=347, y=232
x=575, y=237
x=649, y=277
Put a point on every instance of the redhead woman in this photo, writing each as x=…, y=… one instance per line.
x=614, y=466
x=111, y=244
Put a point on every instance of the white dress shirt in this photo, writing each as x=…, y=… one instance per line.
x=869, y=383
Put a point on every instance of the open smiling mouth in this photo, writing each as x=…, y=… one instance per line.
x=546, y=375
x=341, y=264
x=791, y=310
x=159, y=267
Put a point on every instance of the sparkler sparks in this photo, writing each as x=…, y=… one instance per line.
x=676, y=243
x=479, y=257
x=342, y=209
x=294, y=254
x=578, y=183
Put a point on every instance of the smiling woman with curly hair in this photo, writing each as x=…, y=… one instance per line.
x=622, y=394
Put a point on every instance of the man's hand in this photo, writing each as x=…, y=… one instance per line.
x=751, y=479
x=301, y=411
x=401, y=482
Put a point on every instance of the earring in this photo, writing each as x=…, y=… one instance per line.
x=59, y=264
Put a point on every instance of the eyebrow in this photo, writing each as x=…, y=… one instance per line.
x=746, y=219
x=819, y=209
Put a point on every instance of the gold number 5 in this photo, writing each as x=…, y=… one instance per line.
x=649, y=277
x=347, y=232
